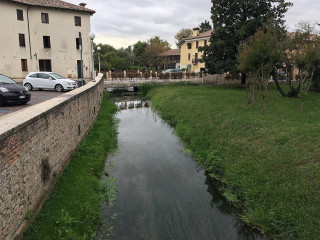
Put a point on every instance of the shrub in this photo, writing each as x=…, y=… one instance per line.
x=146, y=87
x=161, y=75
x=146, y=75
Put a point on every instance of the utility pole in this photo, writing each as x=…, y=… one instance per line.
x=81, y=81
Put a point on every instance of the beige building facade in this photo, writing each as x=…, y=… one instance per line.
x=190, y=54
x=44, y=36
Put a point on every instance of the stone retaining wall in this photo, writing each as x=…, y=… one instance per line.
x=220, y=79
x=36, y=144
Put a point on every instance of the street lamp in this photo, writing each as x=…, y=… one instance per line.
x=99, y=48
x=92, y=36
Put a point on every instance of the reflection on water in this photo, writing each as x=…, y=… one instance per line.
x=161, y=194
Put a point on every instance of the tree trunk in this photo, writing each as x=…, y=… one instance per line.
x=275, y=79
x=253, y=89
x=243, y=79
x=264, y=96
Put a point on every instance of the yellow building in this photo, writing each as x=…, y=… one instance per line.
x=190, y=55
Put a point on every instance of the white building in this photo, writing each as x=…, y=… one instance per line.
x=43, y=35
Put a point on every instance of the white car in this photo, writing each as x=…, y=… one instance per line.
x=48, y=80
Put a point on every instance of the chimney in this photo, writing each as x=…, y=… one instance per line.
x=195, y=32
x=83, y=4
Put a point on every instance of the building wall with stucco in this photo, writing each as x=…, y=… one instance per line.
x=188, y=55
x=62, y=31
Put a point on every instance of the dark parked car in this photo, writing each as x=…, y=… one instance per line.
x=12, y=92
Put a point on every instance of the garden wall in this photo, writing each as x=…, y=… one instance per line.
x=219, y=79
x=36, y=144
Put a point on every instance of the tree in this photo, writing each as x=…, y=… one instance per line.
x=259, y=56
x=105, y=49
x=234, y=21
x=302, y=52
x=152, y=53
x=205, y=26
x=183, y=33
x=119, y=64
x=138, y=51
x=120, y=59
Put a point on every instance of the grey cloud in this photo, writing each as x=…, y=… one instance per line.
x=134, y=20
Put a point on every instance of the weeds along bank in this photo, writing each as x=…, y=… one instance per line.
x=73, y=209
x=268, y=162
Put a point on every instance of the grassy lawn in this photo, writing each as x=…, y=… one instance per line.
x=73, y=209
x=269, y=162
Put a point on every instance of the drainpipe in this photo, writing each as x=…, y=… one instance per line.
x=29, y=32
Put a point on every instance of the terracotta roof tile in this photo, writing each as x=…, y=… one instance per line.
x=172, y=52
x=54, y=4
x=201, y=35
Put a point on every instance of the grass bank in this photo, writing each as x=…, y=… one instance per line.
x=73, y=209
x=269, y=162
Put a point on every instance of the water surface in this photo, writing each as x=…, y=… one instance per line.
x=161, y=193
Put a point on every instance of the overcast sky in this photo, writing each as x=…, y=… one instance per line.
x=121, y=23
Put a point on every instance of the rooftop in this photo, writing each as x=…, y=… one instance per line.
x=201, y=35
x=206, y=34
x=172, y=52
x=53, y=4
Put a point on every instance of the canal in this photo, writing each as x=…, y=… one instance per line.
x=161, y=192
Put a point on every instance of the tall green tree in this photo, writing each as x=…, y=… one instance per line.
x=205, y=26
x=234, y=21
x=138, y=51
x=105, y=50
x=152, y=53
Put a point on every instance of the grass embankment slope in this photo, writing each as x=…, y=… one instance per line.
x=270, y=162
x=73, y=209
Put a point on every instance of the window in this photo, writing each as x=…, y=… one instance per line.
x=189, y=45
x=196, y=57
x=189, y=56
x=45, y=65
x=24, y=65
x=22, y=40
x=20, y=14
x=197, y=44
x=77, y=21
x=46, y=42
x=36, y=75
x=43, y=76
x=205, y=43
x=78, y=43
x=44, y=17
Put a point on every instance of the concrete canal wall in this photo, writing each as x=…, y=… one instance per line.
x=36, y=144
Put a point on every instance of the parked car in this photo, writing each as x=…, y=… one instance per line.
x=174, y=73
x=12, y=92
x=48, y=80
x=173, y=70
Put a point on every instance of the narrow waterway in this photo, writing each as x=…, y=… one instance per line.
x=161, y=193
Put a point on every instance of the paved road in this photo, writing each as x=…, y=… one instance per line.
x=36, y=97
